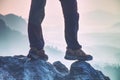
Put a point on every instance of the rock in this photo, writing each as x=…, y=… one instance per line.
x=21, y=68
x=39, y=70
x=62, y=70
x=81, y=70
x=61, y=67
x=13, y=67
x=4, y=75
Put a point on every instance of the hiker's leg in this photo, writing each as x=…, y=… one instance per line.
x=71, y=19
x=36, y=17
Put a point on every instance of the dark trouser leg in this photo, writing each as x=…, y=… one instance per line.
x=36, y=17
x=71, y=18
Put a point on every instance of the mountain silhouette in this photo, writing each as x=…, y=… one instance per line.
x=117, y=25
x=15, y=22
x=2, y=24
x=10, y=38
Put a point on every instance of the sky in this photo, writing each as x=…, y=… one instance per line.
x=21, y=7
x=109, y=10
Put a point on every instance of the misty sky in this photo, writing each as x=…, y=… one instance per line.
x=21, y=7
x=109, y=10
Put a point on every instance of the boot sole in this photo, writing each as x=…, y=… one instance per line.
x=82, y=58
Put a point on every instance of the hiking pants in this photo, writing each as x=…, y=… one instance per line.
x=71, y=19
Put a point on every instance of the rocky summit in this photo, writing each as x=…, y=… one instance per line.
x=21, y=68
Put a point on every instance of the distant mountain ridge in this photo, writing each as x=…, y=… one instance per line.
x=10, y=38
x=15, y=22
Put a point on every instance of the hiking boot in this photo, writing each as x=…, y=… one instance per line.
x=35, y=54
x=77, y=55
